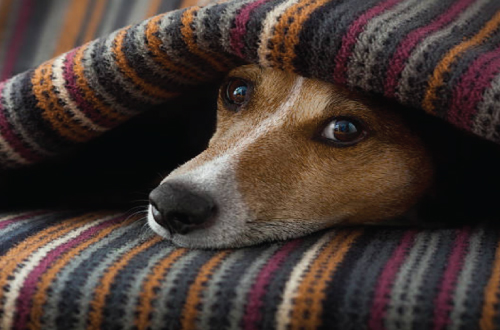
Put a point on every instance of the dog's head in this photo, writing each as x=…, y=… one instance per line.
x=291, y=156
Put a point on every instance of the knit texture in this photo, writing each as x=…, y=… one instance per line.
x=70, y=270
x=439, y=56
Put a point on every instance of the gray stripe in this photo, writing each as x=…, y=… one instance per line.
x=129, y=317
x=163, y=302
x=487, y=119
x=93, y=279
x=119, y=78
x=92, y=78
x=227, y=18
x=425, y=291
x=245, y=284
x=357, y=301
x=465, y=279
x=413, y=80
x=11, y=87
x=175, y=48
x=51, y=30
x=213, y=291
x=66, y=276
x=405, y=289
x=370, y=50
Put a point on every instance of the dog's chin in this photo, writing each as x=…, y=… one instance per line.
x=236, y=234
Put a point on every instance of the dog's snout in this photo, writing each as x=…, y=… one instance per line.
x=178, y=209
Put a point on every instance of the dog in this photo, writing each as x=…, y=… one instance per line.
x=291, y=156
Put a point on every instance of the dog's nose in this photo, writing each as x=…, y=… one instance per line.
x=179, y=210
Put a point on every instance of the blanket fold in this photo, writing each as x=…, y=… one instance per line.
x=439, y=56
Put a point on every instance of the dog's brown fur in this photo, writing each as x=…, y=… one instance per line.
x=288, y=174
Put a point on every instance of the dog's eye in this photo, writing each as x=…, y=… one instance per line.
x=236, y=92
x=344, y=131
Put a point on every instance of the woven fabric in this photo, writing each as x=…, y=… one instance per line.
x=439, y=56
x=70, y=270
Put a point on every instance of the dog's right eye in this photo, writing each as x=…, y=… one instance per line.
x=236, y=92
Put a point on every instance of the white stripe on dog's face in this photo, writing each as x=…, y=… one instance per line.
x=271, y=178
x=217, y=178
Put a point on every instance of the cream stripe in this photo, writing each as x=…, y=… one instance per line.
x=29, y=264
x=12, y=155
x=94, y=279
x=413, y=279
x=59, y=85
x=283, y=314
x=268, y=30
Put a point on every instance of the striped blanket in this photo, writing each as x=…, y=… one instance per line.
x=105, y=270
x=68, y=270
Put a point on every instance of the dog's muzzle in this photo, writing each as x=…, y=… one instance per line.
x=179, y=210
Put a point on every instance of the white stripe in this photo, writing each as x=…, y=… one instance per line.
x=268, y=29
x=283, y=314
x=29, y=264
x=59, y=85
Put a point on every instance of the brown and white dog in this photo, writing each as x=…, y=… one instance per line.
x=291, y=156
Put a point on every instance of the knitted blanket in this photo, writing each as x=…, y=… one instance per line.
x=68, y=270
x=106, y=270
x=439, y=56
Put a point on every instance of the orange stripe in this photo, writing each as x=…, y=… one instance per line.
x=155, y=46
x=105, y=111
x=443, y=67
x=5, y=7
x=281, y=28
x=292, y=34
x=154, y=6
x=95, y=19
x=188, y=37
x=14, y=257
x=307, y=312
x=153, y=281
x=491, y=292
x=191, y=308
x=40, y=296
x=53, y=112
x=102, y=290
x=188, y=3
x=121, y=61
x=72, y=26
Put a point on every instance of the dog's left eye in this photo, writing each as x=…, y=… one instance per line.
x=344, y=131
x=236, y=92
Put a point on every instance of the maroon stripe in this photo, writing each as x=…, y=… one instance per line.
x=11, y=138
x=24, y=303
x=240, y=27
x=253, y=313
x=17, y=39
x=76, y=95
x=25, y=216
x=470, y=90
x=405, y=48
x=443, y=300
x=351, y=36
x=386, y=279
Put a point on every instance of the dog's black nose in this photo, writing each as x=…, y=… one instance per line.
x=179, y=210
